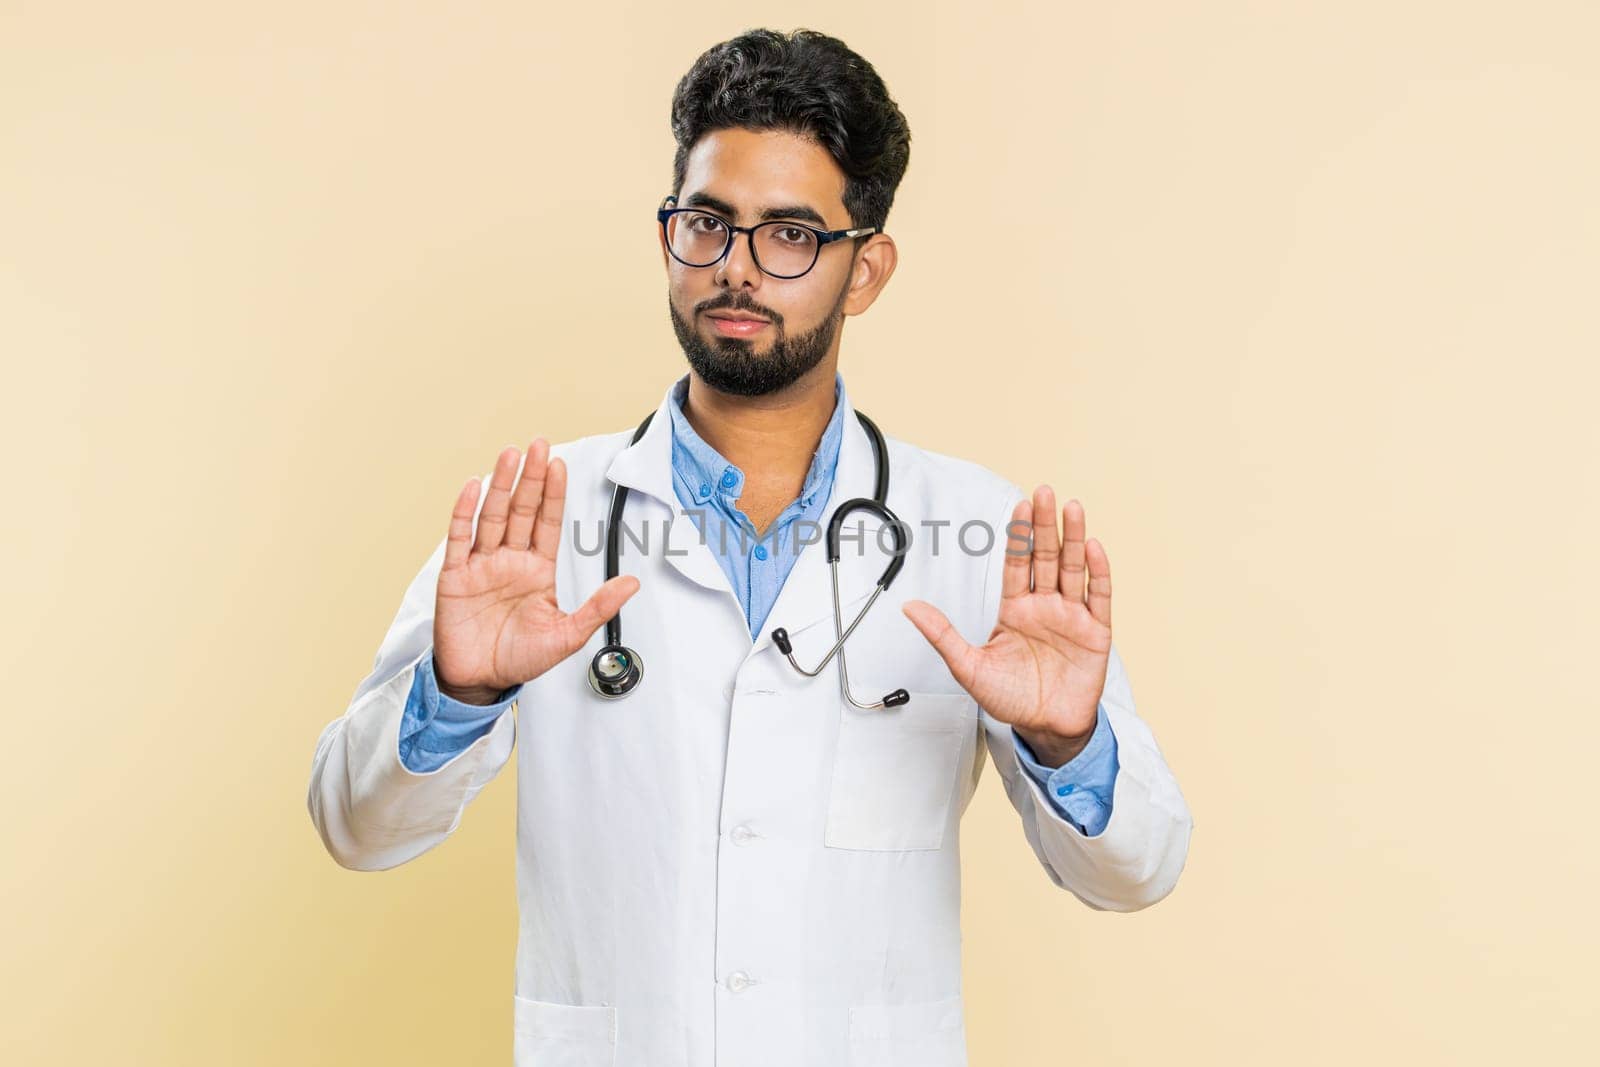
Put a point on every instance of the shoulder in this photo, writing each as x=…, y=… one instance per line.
x=943, y=479
x=591, y=449
x=586, y=459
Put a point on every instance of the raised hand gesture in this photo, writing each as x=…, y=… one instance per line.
x=495, y=622
x=1044, y=667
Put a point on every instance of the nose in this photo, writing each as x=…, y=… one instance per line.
x=738, y=267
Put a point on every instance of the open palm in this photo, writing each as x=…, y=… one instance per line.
x=496, y=623
x=1044, y=667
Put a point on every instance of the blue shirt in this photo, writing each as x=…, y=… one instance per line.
x=436, y=728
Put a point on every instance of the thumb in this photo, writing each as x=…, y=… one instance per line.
x=599, y=608
x=957, y=653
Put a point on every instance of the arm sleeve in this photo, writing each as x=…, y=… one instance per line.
x=1080, y=789
x=1135, y=860
x=371, y=810
x=436, y=728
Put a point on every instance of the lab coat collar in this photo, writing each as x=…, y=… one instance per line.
x=806, y=598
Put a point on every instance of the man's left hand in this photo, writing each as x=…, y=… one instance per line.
x=1044, y=667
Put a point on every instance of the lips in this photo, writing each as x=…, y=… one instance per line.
x=737, y=326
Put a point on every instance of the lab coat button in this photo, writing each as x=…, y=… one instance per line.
x=742, y=834
x=738, y=981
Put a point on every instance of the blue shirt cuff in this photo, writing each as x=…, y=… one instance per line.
x=1081, y=789
x=436, y=728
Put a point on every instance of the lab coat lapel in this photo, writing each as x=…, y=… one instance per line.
x=652, y=509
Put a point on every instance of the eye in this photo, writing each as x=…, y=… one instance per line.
x=793, y=235
x=704, y=223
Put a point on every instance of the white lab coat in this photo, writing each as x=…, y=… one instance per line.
x=732, y=865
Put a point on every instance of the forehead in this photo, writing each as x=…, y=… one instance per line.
x=753, y=169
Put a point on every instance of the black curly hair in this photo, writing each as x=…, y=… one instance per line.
x=807, y=83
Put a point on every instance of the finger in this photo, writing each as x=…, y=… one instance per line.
x=1072, y=551
x=458, y=543
x=1099, y=582
x=600, y=607
x=1046, y=539
x=525, y=499
x=957, y=653
x=1014, y=576
x=547, y=531
x=492, y=519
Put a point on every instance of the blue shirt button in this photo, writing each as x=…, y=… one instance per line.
x=761, y=552
x=705, y=489
x=729, y=480
x=1063, y=791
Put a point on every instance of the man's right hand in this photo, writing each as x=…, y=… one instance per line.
x=495, y=621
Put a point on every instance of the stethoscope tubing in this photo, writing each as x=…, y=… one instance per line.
x=624, y=668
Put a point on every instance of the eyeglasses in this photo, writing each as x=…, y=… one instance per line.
x=780, y=249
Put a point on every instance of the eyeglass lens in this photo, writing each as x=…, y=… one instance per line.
x=781, y=248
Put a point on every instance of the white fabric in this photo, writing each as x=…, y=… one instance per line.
x=732, y=865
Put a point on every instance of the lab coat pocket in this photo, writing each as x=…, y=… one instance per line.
x=548, y=1034
x=894, y=772
x=928, y=1033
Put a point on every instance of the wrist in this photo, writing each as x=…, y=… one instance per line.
x=480, y=697
x=465, y=694
x=1054, y=749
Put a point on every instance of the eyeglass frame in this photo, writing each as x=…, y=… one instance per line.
x=824, y=237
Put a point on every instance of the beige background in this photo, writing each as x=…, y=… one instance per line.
x=1298, y=298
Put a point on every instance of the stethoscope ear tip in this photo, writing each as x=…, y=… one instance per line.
x=897, y=698
x=780, y=637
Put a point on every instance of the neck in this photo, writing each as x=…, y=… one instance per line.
x=771, y=438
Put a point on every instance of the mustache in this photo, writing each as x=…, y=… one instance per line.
x=739, y=304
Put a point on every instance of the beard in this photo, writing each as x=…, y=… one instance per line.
x=732, y=365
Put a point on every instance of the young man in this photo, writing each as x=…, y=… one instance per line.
x=738, y=863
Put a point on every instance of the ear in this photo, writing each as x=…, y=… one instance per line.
x=874, y=265
x=661, y=233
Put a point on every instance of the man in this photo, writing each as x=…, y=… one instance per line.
x=735, y=863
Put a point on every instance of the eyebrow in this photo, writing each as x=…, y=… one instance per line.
x=793, y=211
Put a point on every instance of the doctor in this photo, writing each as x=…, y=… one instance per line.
x=734, y=864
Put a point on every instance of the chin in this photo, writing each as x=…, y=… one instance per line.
x=730, y=344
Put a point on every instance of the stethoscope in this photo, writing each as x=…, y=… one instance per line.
x=616, y=669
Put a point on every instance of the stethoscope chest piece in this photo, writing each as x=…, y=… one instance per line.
x=615, y=670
